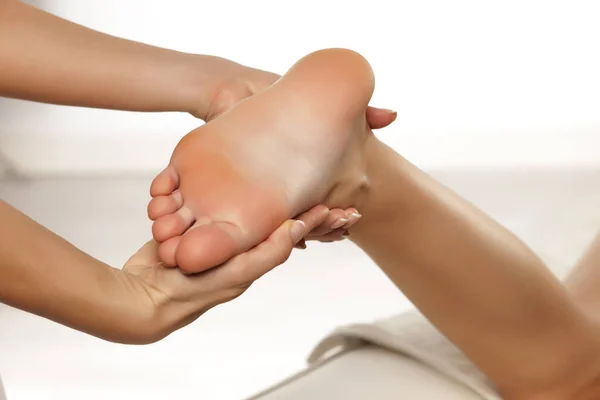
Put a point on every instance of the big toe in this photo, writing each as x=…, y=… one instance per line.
x=207, y=246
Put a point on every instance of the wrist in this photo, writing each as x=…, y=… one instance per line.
x=206, y=84
x=123, y=312
x=197, y=82
x=161, y=310
x=104, y=302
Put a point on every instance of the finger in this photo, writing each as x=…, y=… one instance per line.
x=314, y=217
x=352, y=220
x=336, y=218
x=379, y=117
x=251, y=265
x=301, y=245
x=146, y=255
x=334, y=236
x=350, y=211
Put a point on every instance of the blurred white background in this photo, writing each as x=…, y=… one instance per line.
x=475, y=82
x=500, y=100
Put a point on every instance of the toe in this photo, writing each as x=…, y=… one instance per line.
x=209, y=245
x=165, y=183
x=167, y=250
x=171, y=225
x=163, y=205
x=333, y=236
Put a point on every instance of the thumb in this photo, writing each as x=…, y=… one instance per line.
x=146, y=255
x=380, y=117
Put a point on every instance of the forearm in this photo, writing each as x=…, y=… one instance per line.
x=43, y=274
x=47, y=59
x=472, y=278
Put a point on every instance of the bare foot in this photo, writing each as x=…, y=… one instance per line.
x=293, y=146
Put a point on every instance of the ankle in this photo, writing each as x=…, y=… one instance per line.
x=353, y=186
x=373, y=173
x=387, y=186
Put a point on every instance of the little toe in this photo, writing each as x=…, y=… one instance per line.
x=165, y=182
x=171, y=225
x=163, y=205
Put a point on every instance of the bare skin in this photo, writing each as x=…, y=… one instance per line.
x=141, y=303
x=481, y=286
x=467, y=256
x=37, y=51
x=292, y=146
x=582, y=284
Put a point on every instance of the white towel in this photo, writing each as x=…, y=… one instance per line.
x=412, y=335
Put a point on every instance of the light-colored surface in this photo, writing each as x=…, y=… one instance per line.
x=411, y=335
x=2, y=394
x=411, y=360
x=371, y=373
x=264, y=336
x=80, y=155
x=515, y=80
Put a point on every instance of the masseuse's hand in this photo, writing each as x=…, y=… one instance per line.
x=235, y=82
x=174, y=299
x=334, y=228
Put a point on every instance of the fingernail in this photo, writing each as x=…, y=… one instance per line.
x=339, y=223
x=297, y=231
x=390, y=111
x=355, y=216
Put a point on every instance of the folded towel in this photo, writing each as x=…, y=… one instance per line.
x=412, y=335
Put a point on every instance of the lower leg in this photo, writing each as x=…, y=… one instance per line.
x=473, y=279
x=584, y=281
